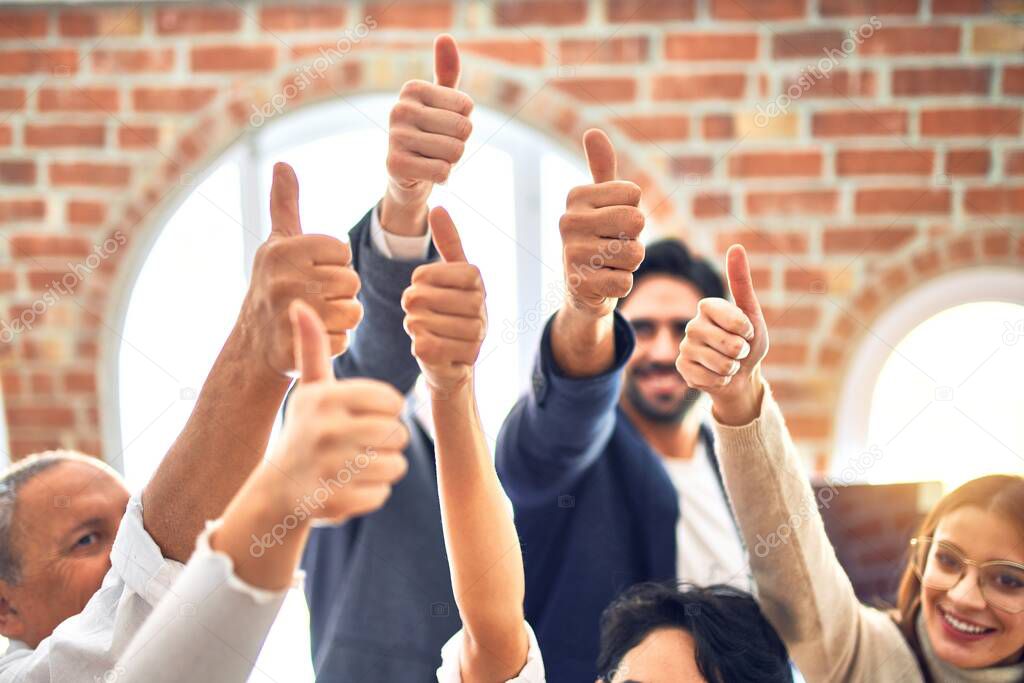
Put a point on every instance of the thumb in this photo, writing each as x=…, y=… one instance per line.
x=284, y=202
x=740, y=283
x=600, y=155
x=445, y=236
x=446, y=61
x=312, y=348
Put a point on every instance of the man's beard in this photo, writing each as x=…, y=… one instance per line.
x=657, y=413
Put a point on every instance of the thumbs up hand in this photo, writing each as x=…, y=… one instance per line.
x=289, y=265
x=444, y=310
x=427, y=135
x=724, y=345
x=599, y=230
x=340, y=450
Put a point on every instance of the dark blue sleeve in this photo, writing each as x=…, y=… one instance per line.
x=560, y=427
x=379, y=347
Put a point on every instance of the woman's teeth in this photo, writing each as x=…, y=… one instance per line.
x=964, y=627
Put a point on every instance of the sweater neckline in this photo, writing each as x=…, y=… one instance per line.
x=944, y=672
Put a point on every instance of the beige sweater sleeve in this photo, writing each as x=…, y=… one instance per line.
x=801, y=587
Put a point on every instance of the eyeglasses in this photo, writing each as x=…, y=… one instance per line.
x=942, y=566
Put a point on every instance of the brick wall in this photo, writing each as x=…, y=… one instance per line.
x=906, y=162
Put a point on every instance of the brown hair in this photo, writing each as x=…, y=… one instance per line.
x=1002, y=494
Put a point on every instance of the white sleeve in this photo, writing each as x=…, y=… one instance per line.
x=211, y=627
x=397, y=247
x=451, y=656
x=86, y=647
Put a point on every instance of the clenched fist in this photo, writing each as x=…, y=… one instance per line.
x=341, y=447
x=724, y=345
x=444, y=310
x=599, y=230
x=315, y=269
x=427, y=135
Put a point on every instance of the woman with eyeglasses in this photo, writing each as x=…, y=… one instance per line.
x=960, y=612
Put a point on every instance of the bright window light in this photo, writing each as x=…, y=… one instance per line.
x=505, y=197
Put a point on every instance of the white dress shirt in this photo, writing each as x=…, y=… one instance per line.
x=86, y=647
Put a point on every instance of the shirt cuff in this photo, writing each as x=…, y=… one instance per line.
x=451, y=657
x=397, y=247
x=225, y=566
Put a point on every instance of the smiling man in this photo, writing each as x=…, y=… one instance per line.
x=606, y=460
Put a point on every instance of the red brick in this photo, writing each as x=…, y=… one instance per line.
x=758, y=10
x=182, y=99
x=12, y=99
x=857, y=240
x=699, y=87
x=132, y=61
x=82, y=212
x=233, y=58
x=181, y=20
x=910, y=200
x=301, y=17
x=645, y=128
x=621, y=11
x=80, y=382
x=994, y=200
x=91, y=174
x=55, y=61
x=13, y=210
x=17, y=172
x=804, y=426
x=31, y=246
x=996, y=244
x=967, y=162
x=865, y=8
x=19, y=24
x=835, y=84
x=711, y=46
x=691, y=165
x=1013, y=80
x=764, y=241
x=138, y=137
x=791, y=318
x=6, y=135
x=104, y=100
x=625, y=50
x=942, y=81
x=1013, y=164
x=813, y=280
x=597, y=89
x=712, y=205
x=526, y=51
x=40, y=417
x=817, y=43
x=775, y=164
x=884, y=162
x=718, y=127
x=857, y=122
x=418, y=15
x=961, y=6
x=978, y=121
x=65, y=135
x=544, y=12
x=106, y=22
x=793, y=203
x=912, y=40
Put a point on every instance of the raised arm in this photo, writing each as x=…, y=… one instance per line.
x=427, y=134
x=339, y=454
x=802, y=588
x=446, y=317
x=227, y=433
x=557, y=431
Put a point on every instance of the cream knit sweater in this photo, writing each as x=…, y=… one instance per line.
x=800, y=585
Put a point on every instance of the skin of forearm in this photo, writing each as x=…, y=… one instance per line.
x=583, y=345
x=408, y=219
x=223, y=440
x=260, y=506
x=744, y=406
x=483, y=547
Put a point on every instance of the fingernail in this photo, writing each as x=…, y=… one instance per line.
x=744, y=351
x=735, y=367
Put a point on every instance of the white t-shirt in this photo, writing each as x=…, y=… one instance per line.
x=708, y=546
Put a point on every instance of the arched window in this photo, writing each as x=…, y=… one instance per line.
x=505, y=197
x=932, y=393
